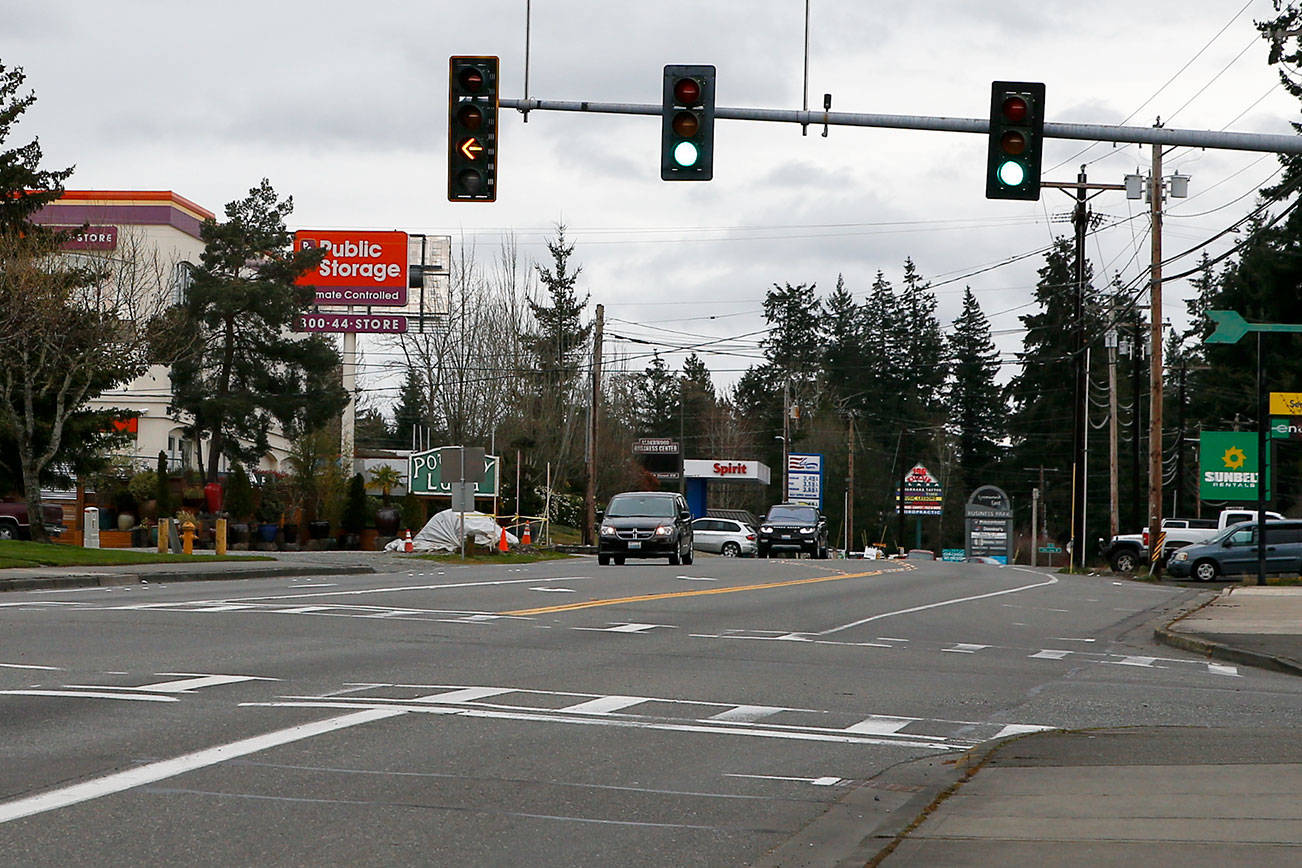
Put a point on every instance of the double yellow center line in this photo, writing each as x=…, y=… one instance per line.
x=646, y=598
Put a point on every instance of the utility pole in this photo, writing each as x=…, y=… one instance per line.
x=1080, y=219
x=1178, y=505
x=1037, y=497
x=1155, y=369
x=1113, y=493
x=590, y=492
x=786, y=436
x=849, y=485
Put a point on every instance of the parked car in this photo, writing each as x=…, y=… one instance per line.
x=1233, y=551
x=724, y=536
x=645, y=524
x=14, y=522
x=793, y=526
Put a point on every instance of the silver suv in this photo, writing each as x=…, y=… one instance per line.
x=723, y=536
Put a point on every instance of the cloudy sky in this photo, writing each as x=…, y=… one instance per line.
x=343, y=105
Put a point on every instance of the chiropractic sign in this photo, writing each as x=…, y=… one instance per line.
x=361, y=267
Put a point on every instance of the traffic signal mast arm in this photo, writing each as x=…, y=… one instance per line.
x=1268, y=142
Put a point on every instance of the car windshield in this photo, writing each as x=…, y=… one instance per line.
x=1224, y=535
x=626, y=506
x=793, y=513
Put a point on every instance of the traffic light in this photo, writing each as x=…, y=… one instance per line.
x=687, y=124
x=1016, y=140
x=472, y=129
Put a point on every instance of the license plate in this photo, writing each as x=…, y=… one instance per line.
x=635, y=545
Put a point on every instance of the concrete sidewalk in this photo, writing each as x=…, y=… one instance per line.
x=1248, y=624
x=1141, y=796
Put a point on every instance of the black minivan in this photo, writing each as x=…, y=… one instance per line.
x=645, y=524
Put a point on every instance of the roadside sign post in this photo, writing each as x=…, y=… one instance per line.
x=1230, y=327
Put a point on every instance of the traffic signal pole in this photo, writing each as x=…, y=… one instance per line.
x=1268, y=142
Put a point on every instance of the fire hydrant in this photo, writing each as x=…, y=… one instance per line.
x=187, y=537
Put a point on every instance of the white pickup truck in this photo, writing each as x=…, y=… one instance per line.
x=1129, y=552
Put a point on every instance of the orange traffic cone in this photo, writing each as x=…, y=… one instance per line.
x=406, y=544
x=501, y=542
x=526, y=539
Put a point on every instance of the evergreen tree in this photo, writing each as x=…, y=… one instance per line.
x=559, y=343
x=246, y=370
x=843, y=346
x=411, y=413
x=658, y=401
x=25, y=187
x=975, y=400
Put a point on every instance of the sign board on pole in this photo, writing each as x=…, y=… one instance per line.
x=329, y=321
x=425, y=475
x=361, y=267
x=1286, y=403
x=989, y=519
x=805, y=478
x=1286, y=428
x=922, y=493
x=1227, y=463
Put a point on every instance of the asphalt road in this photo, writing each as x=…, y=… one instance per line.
x=556, y=713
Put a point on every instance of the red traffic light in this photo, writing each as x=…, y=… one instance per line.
x=1015, y=109
x=472, y=79
x=687, y=91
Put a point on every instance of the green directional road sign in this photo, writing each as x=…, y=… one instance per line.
x=1231, y=326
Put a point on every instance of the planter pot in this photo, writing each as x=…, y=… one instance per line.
x=237, y=533
x=126, y=521
x=318, y=529
x=267, y=532
x=291, y=532
x=350, y=541
x=387, y=520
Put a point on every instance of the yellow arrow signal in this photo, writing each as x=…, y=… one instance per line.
x=471, y=148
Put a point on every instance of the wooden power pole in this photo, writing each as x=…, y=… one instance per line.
x=590, y=492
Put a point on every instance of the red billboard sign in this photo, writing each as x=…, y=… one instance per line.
x=361, y=267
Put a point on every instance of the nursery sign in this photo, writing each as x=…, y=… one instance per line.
x=425, y=470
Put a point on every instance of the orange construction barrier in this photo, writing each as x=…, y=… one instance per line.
x=406, y=543
x=501, y=542
x=526, y=540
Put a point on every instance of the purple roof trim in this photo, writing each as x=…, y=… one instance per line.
x=68, y=214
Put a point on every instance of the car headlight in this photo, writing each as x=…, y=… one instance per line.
x=766, y=529
x=1180, y=556
x=607, y=530
x=806, y=530
x=664, y=530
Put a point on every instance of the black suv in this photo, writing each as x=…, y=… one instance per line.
x=793, y=526
x=645, y=524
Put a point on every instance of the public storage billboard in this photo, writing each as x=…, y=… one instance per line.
x=361, y=267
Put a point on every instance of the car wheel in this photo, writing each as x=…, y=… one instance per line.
x=674, y=558
x=619, y=560
x=689, y=557
x=730, y=550
x=761, y=552
x=1125, y=562
x=1205, y=571
x=603, y=560
x=8, y=531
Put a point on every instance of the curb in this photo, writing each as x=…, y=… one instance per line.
x=103, y=580
x=1219, y=650
x=1229, y=653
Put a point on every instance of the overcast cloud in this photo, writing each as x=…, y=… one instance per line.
x=342, y=105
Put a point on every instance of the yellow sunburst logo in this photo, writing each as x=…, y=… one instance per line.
x=1234, y=458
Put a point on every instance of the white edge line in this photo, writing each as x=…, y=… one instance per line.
x=1052, y=581
x=148, y=774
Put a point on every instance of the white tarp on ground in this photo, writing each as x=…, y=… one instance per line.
x=443, y=533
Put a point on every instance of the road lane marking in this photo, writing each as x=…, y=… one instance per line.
x=746, y=713
x=827, y=781
x=880, y=725
x=604, y=705
x=195, y=681
x=1222, y=669
x=1135, y=661
x=29, y=666
x=465, y=694
x=555, y=590
x=909, y=611
x=965, y=648
x=153, y=772
x=646, y=598
x=1019, y=729
x=1049, y=654
x=91, y=694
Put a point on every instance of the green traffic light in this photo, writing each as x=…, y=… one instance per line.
x=686, y=154
x=1011, y=173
